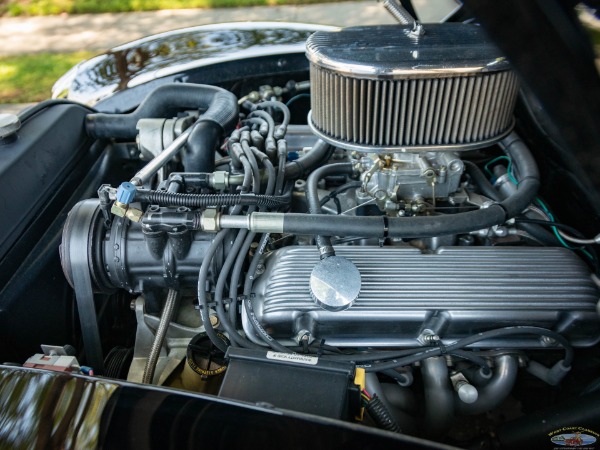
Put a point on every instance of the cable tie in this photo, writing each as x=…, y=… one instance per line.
x=442, y=347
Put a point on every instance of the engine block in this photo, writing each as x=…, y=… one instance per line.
x=454, y=292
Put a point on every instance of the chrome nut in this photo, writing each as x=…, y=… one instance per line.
x=133, y=214
x=220, y=180
x=119, y=209
x=210, y=220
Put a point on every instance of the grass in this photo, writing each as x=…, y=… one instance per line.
x=49, y=7
x=29, y=78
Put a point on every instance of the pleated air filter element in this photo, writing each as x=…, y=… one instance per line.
x=384, y=89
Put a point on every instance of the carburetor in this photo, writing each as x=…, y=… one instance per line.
x=400, y=182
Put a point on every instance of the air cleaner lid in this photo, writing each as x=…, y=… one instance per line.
x=392, y=51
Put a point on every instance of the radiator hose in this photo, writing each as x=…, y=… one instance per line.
x=220, y=117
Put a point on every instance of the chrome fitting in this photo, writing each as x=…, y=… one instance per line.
x=219, y=180
x=210, y=220
x=429, y=339
x=266, y=222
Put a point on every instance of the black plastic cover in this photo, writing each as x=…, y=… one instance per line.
x=291, y=381
x=34, y=162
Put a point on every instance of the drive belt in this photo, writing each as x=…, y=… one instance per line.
x=79, y=251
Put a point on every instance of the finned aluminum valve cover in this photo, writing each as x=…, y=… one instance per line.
x=454, y=292
x=383, y=89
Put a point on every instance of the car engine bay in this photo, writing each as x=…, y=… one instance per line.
x=367, y=243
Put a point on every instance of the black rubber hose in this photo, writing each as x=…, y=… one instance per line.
x=245, y=187
x=405, y=227
x=329, y=225
x=205, y=200
x=470, y=356
x=528, y=175
x=220, y=286
x=262, y=333
x=246, y=152
x=165, y=102
x=268, y=165
x=263, y=115
x=270, y=142
x=548, y=223
x=202, y=277
x=339, y=190
x=430, y=226
x=258, y=328
x=235, y=277
x=257, y=139
x=263, y=125
x=282, y=156
x=314, y=206
x=236, y=210
x=247, y=183
x=381, y=416
x=481, y=181
x=199, y=152
x=281, y=130
x=314, y=157
x=241, y=255
x=538, y=233
x=487, y=189
x=234, y=138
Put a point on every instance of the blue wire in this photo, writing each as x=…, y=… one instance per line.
x=555, y=230
x=539, y=201
x=508, y=169
x=296, y=97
